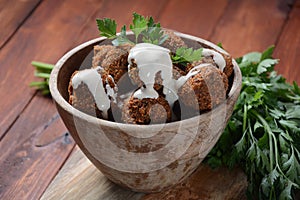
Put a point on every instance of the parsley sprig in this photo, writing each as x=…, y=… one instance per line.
x=42, y=70
x=186, y=55
x=263, y=135
x=142, y=27
x=153, y=33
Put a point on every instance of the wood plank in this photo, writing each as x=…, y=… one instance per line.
x=122, y=12
x=250, y=25
x=288, y=47
x=80, y=179
x=193, y=17
x=26, y=166
x=207, y=184
x=12, y=14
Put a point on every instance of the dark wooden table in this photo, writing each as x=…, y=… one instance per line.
x=33, y=141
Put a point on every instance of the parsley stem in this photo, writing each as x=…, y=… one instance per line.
x=42, y=65
x=42, y=75
x=42, y=70
x=245, y=118
x=38, y=83
x=270, y=134
x=273, y=151
x=283, y=174
x=250, y=131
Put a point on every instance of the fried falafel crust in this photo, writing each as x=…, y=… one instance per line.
x=146, y=111
x=173, y=41
x=228, y=70
x=209, y=86
x=112, y=59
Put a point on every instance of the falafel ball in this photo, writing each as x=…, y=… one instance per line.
x=82, y=99
x=112, y=59
x=146, y=111
x=228, y=70
x=173, y=41
x=208, y=86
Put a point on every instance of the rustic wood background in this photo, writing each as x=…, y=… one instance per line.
x=34, y=143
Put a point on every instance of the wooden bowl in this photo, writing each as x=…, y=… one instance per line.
x=144, y=158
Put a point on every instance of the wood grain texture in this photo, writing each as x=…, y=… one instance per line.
x=288, y=47
x=206, y=184
x=80, y=179
x=250, y=25
x=26, y=168
x=12, y=14
x=122, y=12
x=193, y=17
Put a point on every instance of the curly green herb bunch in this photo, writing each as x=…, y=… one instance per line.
x=264, y=131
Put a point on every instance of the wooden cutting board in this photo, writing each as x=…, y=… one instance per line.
x=80, y=179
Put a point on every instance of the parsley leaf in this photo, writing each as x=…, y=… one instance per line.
x=265, y=64
x=107, y=27
x=220, y=45
x=122, y=39
x=186, y=55
x=140, y=24
x=154, y=34
x=253, y=57
x=267, y=53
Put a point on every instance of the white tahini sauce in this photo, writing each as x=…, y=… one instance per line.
x=93, y=80
x=111, y=92
x=217, y=57
x=151, y=59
